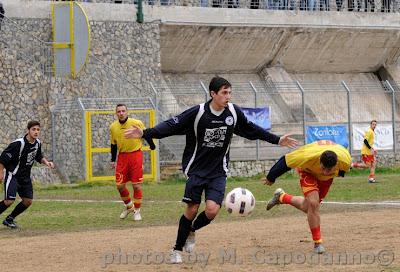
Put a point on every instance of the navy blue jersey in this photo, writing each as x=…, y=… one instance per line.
x=20, y=155
x=208, y=137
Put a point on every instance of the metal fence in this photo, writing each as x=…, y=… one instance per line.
x=301, y=5
x=293, y=106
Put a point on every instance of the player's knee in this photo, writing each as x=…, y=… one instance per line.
x=313, y=205
x=192, y=210
x=8, y=202
x=211, y=212
x=121, y=188
x=27, y=202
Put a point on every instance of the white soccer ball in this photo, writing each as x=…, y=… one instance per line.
x=240, y=202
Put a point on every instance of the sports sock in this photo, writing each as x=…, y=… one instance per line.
x=125, y=198
x=316, y=234
x=201, y=221
x=3, y=207
x=285, y=198
x=20, y=208
x=137, y=198
x=371, y=176
x=184, y=229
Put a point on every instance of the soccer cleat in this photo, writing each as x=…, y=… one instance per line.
x=190, y=243
x=10, y=223
x=136, y=215
x=125, y=212
x=319, y=248
x=176, y=256
x=372, y=180
x=275, y=199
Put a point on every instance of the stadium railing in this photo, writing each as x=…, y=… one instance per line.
x=298, y=5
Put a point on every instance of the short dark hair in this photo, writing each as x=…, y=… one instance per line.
x=373, y=121
x=33, y=123
x=217, y=83
x=328, y=159
x=121, y=105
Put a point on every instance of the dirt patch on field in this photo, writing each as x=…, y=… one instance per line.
x=355, y=241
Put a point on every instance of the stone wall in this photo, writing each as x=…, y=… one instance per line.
x=124, y=59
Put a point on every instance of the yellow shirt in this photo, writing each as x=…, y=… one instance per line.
x=370, y=137
x=307, y=158
x=117, y=135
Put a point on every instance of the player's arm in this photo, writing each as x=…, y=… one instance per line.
x=1, y=172
x=113, y=148
x=177, y=125
x=251, y=131
x=10, y=154
x=47, y=163
x=367, y=144
x=41, y=159
x=277, y=170
x=114, y=151
x=149, y=141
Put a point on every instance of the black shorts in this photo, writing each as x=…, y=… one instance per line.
x=213, y=188
x=14, y=185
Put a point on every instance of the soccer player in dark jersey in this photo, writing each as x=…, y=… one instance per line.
x=318, y=163
x=209, y=128
x=15, y=170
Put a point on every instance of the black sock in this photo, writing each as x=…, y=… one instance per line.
x=201, y=221
x=185, y=226
x=20, y=208
x=3, y=207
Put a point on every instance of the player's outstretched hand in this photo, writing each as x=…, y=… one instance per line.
x=285, y=140
x=133, y=132
x=50, y=164
x=265, y=181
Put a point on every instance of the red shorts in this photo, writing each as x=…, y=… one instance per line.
x=368, y=159
x=309, y=184
x=129, y=167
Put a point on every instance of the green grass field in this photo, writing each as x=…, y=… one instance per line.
x=162, y=206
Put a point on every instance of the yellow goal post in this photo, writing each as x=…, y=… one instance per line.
x=98, y=116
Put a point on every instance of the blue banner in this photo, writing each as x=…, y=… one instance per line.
x=337, y=134
x=259, y=116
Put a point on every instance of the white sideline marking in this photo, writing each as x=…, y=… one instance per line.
x=381, y=203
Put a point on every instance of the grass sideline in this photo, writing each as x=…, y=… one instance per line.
x=162, y=206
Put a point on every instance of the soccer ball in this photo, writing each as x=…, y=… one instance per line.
x=240, y=202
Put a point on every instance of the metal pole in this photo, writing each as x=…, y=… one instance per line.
x=349, y=122
x=393, y=115
x=205, y=90
x=53, y=135
x=255, y=104
x=303, y=102
x=158, y=142
x=139, y=13
x=83, y=131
